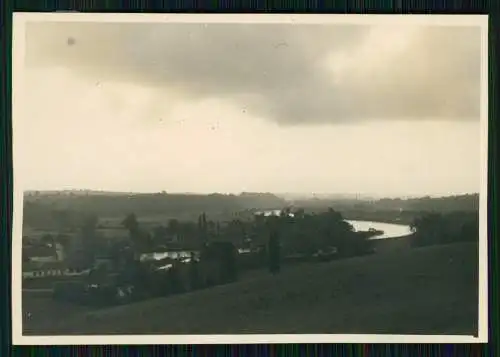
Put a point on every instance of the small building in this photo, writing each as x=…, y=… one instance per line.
x=40, y=253
x=34, y=270
x=172, y=254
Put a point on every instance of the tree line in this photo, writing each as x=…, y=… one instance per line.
x=443, y=228
x=299, y=233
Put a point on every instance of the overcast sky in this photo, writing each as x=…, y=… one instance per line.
x=384, y=110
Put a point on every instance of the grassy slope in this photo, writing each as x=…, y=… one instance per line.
x=421, y=291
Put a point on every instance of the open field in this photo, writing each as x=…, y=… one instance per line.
x=430, y=290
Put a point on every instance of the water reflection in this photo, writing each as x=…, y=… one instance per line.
x=181, y=255
x=389, y=230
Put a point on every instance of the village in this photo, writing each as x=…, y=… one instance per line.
x=107, y=271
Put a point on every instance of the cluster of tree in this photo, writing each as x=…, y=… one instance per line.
x=136, y=280
x=220, y=257
x=82, y=248
x=45, y=246
x=437, y=228
x=301, y=233
x=269, y=239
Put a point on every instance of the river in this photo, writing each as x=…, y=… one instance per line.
x=390, y=230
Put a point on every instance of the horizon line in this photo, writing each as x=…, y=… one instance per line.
x=276, y=193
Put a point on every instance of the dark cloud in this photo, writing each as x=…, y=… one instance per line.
x=278, y=71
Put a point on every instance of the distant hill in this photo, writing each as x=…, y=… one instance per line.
x=468, y=202
x=297, y=196
x=32, y=193
x=44, y=206
x=450, y=203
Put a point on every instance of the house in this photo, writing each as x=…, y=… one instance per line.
x=40, y=253
x=44, y=260
x=35, y=270
x=177, y=254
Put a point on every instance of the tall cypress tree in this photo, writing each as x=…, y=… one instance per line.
x=202, y=228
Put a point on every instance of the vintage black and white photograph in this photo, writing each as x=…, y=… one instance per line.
x=241, y=176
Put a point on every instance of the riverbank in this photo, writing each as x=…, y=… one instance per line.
x=432, y=290
x=388, y=230
x=405, y=217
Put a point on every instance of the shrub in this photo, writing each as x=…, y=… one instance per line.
x=432, y=228
x=220, y=262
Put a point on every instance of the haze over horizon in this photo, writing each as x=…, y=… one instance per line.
x=135, y=107
x=286, y=195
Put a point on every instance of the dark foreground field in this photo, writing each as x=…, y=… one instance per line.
x=420, y=291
